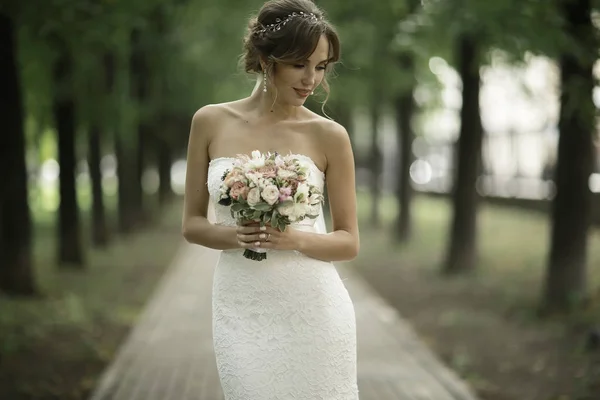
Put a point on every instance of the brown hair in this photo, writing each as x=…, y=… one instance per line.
x=294, y=42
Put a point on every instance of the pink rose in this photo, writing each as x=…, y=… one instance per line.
x=238, y=189
x=268, y=171
x=229, y=181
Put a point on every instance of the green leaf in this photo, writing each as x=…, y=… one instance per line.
x=275, y=219
x=282, y=226
x=237, y=207
x=262, y=207
x=257, y=214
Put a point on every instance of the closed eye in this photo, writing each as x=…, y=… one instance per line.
x=320, y=67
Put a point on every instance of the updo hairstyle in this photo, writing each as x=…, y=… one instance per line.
x=287, y=32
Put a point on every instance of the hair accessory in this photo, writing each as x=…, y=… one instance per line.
x=279, y=23
x=265, y=81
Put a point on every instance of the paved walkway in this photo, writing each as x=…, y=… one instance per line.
x=169, y=356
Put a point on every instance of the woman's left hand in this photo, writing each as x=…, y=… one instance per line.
x=277, y=240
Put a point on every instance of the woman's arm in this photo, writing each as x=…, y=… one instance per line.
x=343, y=242
x=195, y=226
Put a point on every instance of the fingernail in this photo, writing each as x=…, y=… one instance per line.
x=257, y=244
x=262, y=236
x=263, y=228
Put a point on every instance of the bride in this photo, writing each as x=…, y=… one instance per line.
x=284, y=327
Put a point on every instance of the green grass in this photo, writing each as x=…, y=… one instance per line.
x=60, y=342
x=513, y=248
x=485, y=325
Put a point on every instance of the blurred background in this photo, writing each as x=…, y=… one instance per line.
x=475, y=131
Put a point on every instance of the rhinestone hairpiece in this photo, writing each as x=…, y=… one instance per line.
x=280, y=23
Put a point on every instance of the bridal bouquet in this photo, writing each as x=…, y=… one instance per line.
x=269, y=189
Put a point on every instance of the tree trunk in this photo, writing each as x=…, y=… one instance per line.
x=142, y=144
x=375, y=165
x=16, y=271
x=70, y=251
x=405, y=107
x=165, y=160
x=139, y=92
x=571, y=213
x=462, y=251
x=126, y=174
x=99, y=228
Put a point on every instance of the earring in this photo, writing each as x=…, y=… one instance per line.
x=264, y=81
x=312, y=92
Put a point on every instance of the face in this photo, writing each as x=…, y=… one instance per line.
x=295, y=82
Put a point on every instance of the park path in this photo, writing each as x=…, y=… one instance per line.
x=169, y=356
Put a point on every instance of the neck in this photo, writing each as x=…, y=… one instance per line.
x=268, y=106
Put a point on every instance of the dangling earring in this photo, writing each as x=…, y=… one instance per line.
x=264, y=81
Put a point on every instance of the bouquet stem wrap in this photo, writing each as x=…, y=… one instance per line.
x=255, y=253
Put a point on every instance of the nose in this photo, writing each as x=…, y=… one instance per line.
x=308, y=80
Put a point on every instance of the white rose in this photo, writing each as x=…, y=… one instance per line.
x=270, y=194
x=293, y=211
x=253, y=197
x=286, y=209
x=302, y=189
x=263, y=183
x=300, y=210
x=253, y=178
x=285, y=174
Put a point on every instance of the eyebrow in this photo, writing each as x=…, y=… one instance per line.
x=320, y=62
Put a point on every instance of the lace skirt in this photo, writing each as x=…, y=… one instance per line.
x=283, y=328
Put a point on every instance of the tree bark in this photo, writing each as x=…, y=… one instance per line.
x=99, y=228
x=405, y=107
x=70, y=251
x=140, y=77
x=165, y=161
x=16, y=271
x=565, y=283
x=140, y=158
x=462, y=251
x=375, y=165
x=126, y=174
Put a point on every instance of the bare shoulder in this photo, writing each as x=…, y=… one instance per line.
x=328, y=129
x=333, y=132
x=210, y=114
x=333, y=139
x=209, y=119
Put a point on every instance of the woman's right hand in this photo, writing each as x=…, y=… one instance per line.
x=250, y=233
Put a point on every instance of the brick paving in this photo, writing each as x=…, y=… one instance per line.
x=169, y=355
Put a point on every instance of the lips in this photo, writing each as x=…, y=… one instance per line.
x=302, y=92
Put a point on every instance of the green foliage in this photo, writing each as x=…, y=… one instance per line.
x=515, y=26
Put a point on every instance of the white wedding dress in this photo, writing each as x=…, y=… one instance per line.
x=283, y=328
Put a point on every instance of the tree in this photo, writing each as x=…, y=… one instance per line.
x=478, y=27
x=405, y=110
x=16, y=271
x=462, y=250
x=565, y=281
x=70, y=246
